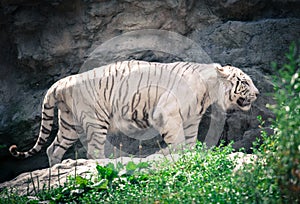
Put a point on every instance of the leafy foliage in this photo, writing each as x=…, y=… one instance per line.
x=286, y=159
x=201, y=176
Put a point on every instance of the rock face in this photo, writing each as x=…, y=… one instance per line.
x=43, y=41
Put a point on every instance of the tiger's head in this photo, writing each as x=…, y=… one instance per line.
x=239, y=87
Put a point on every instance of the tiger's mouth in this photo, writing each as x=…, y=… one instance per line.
x=242, y=102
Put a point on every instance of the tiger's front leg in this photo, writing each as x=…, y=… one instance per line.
x=191, y=133
x=178, y=137
x=173, y=134
x=168, y=121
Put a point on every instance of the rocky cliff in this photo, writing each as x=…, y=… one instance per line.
x=43, y=41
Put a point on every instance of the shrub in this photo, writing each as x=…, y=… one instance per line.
x=286, y=158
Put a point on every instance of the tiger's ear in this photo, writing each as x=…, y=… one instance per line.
x=224, y=72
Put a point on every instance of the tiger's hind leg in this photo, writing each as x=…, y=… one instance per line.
x=66, y=137
x=96, y=140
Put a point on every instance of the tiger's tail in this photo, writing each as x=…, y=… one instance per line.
x=46, y=126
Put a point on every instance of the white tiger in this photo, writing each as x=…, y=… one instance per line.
x=137, y=98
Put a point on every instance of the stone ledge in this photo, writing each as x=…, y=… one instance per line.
x=87, y=168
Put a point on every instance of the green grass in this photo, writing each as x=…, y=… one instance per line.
x=201, y=176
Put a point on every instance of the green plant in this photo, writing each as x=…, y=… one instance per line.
x=286, y=160
x=8, y=196
x=109, y=178
x=199, y=176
